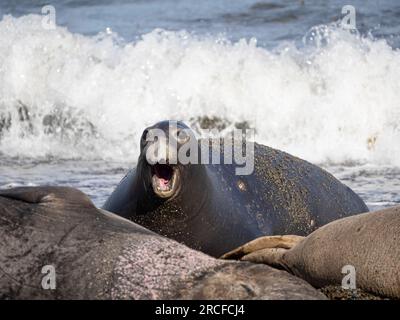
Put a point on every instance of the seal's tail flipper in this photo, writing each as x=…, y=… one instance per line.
x=47, y=195
x=267, y=250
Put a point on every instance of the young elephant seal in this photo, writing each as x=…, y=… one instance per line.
x=210, y=208
x=55, y=244
x=368, y=244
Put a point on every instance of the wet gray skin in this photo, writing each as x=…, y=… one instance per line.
x=214, y=210
x=98, y=255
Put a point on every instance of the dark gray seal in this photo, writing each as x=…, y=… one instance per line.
x=98, y=255
x=210, y=208
x=369, y=242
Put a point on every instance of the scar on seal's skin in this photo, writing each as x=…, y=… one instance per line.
x=241, y=185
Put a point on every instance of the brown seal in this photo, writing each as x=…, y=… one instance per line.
x=369, y=243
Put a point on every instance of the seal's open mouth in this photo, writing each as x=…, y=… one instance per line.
x=164, y=180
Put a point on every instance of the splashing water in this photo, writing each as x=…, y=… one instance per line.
x=332, y=101
x=69, y=96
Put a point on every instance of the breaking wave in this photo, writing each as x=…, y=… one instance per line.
x=68, y=96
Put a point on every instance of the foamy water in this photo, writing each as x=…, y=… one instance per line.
x=333, y=100
x=70, y=96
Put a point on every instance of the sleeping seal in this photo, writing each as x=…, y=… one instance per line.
x=368, y=245
x=210, y=208
x=57, y=233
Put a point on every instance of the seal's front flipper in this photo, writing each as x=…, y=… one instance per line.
x=25, y=194
x=267, y=250
x=270, y=256
x=48, y=195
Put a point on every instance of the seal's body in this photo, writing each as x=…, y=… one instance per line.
x=212, y=209
x=54, y=244
x=366, y=247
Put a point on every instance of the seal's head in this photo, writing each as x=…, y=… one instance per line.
x=165, y=155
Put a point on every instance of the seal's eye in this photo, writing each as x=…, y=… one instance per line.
x=182, y=136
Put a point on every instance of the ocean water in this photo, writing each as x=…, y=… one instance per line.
x=75, y=99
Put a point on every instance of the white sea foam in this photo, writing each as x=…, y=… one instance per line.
x=64, y=95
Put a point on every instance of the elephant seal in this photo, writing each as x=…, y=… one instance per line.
x=367, y=245
x=95, y=254
x=209, y=208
